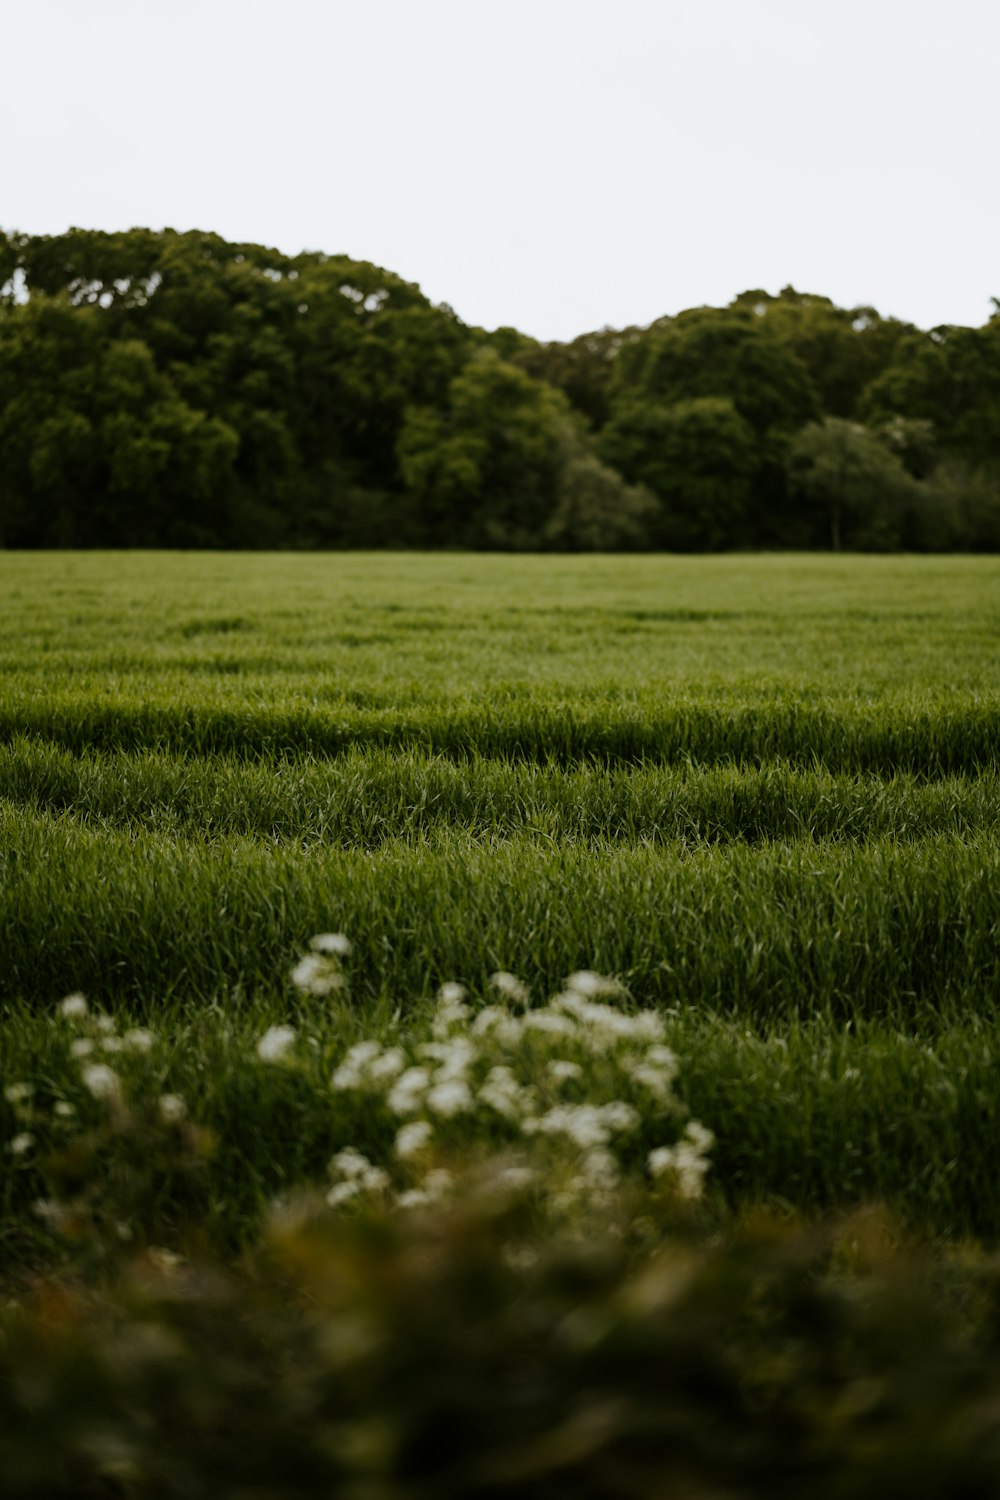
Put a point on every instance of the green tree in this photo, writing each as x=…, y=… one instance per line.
x=842, y=349
x=949, y=377
x=851, y=485
x=722, y=354
x=96, y=447
x=597, y=511
x=699, y=458
x=485, y=472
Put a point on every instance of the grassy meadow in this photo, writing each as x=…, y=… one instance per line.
x=486, y=1027
x=762, y=792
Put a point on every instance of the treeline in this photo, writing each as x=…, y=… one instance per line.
x=160, y=389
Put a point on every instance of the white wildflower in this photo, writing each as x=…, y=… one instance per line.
x=388, y=1065
x=499, y=1023
x=454, y=1057
x=172, y=1108
x=661, y=1057
x=412, y=1138
x=406, y=1093
x=489, y=1017
x=355, y=1168
x=560, y=1070
x=451, y=993
x=691, y=1168
x=510, y=987
x=74, y=1007
x=516, y=1178
x=51, y=1211
x=583, y=1124
x=452, y=1097
x=600, y=1168
x=21, y=1144
x=699, y=1135
x=81, y=1047
x=111, y=1043
x=414, y=1198
x=18, y=1093
x=361, y=1053
x=345, y=1078
x=621, y=1117
x=349, y=1075
x=275, y=1043
x=447, y=1017
x=648, y=1026
x=64, y=1109
x=687, y=1159
x=349, y=1163
x=438, y=1183
x=103, y=1023
x=139, y=1039
x=548, y=1021
x=655, y=1079
x=502, y=1092
x=318, y=975
x=588, y=984
x=335, y=944
x=103, y=1082
x=660, y=1160
x=342, y=1192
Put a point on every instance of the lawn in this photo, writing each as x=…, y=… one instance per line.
x=762, y=792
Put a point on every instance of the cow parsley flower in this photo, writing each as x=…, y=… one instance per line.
x=412, y=1138
x=560, y=1070
x=548, y=1021
x=103, y=1082
x=510, y=987
x=139, y=1039
x=452, y=1097
x=408, y=1090
x=334, y=944
x=316, y=974
x=275, y=1043
x=452, y=993
x=74, y=1007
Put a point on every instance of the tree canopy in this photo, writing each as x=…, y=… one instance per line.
x=174, y=389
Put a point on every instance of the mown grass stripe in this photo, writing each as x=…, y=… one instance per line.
x=900, y=931
x=846, y=738
x=366, y=797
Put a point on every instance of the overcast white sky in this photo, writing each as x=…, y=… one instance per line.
x=557, y=165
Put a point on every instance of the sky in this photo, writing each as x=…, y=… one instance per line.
x=555, y=165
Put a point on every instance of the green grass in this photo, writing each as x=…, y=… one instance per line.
x=762, y=790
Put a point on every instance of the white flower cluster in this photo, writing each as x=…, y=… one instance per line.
x=551, y=1076
x=93, y=1039
x=96, y=1040
x=319, y=972
x=687, y=1161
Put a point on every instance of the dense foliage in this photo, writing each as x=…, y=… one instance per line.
x=160, y=389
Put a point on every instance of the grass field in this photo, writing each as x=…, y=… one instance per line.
x=763, y=792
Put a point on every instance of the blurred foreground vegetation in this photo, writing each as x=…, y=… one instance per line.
x=386, y=1359
x=160, y=389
